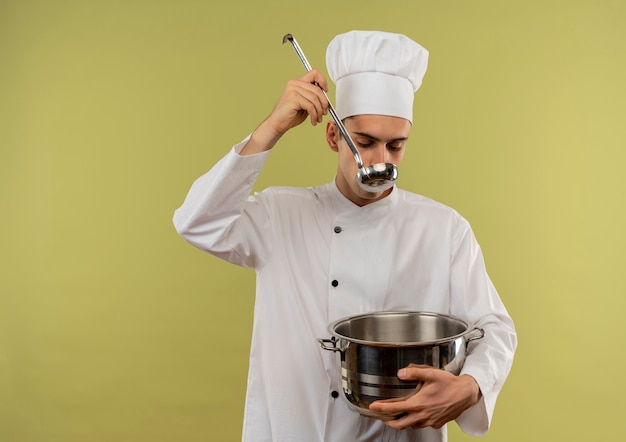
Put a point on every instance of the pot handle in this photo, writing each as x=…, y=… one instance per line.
x=473, y=338
x=329, y=344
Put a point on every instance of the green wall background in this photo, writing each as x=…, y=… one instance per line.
x=114, y=329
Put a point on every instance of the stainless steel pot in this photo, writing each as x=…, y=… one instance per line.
x=374, y=346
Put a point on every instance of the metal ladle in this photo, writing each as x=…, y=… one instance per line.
x=375, y=178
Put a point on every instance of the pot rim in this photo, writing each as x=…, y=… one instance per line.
x=469, y=327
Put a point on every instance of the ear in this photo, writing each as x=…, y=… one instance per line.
x=331, y=136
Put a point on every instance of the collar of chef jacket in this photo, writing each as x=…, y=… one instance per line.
x=377, y=209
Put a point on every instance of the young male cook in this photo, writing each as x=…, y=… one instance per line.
x=336, y=250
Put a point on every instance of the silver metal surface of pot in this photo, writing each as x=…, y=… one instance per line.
x=374, y=346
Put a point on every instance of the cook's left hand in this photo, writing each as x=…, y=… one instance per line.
x=441, y=398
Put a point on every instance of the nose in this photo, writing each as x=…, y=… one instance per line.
x=379, y=154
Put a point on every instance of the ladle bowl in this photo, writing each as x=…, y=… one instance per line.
x=377, y=177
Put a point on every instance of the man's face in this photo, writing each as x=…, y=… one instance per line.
x=379, y=139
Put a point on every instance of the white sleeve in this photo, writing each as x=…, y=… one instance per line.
x=489, y=358
x=220, y=217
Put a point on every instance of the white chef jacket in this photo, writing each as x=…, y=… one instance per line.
x=319, y=257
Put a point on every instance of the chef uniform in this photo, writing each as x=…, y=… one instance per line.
x=319, y=257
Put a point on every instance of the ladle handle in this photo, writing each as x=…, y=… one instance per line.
x=331, y=109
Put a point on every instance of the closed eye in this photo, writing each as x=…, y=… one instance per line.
x=364, y=141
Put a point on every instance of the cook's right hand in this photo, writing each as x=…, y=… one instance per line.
x=301, y=98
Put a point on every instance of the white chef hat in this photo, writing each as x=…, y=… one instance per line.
x=375, y=73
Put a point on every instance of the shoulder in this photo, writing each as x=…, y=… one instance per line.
x=292, y=199
x=423, y=207
x=292, y=193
